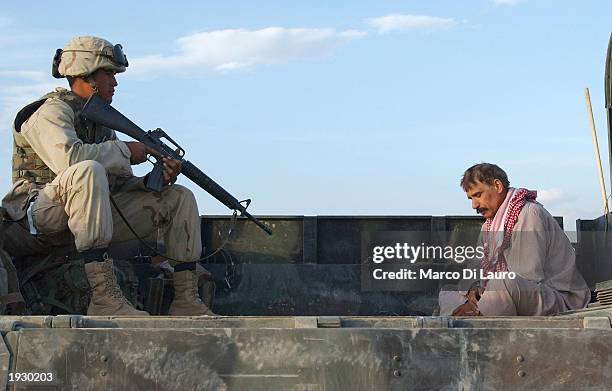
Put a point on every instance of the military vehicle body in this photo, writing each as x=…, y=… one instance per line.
x=293, y=316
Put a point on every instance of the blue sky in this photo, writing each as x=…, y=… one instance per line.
x=343, y=108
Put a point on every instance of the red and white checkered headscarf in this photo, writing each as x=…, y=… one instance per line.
x=504, y=220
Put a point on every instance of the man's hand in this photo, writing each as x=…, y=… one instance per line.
x=474, y=294
x=172, y=168
x=466, y=309
x=138, y=151
x=470, y=307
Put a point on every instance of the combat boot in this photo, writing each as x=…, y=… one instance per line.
x=186, y=298
x=106, y=295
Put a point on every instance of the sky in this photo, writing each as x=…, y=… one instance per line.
x=344, y=107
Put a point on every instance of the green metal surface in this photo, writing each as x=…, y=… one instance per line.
x=314, y=353
x=310, y=271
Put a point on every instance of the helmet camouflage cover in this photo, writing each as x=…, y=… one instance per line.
x=82, y=56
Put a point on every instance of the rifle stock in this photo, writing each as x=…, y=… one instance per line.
x=99, y=111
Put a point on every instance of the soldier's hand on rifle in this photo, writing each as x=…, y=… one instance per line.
x=172, y=168
x=138, y=152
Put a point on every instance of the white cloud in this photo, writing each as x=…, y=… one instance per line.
x=19, y=89
x=25, y=46
x=224, y=50
x=508, y=2
x=554, y=195
x=399, y=22
x=569, y=206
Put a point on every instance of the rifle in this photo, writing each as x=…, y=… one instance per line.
x=99, y=111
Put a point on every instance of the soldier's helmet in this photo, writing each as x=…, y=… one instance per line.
x=82, y=56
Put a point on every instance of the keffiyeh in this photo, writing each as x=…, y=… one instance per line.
x=498, y=230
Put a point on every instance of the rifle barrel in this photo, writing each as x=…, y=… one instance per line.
x=99, y=111
x=214, y=189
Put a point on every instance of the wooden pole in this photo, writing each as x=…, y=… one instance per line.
x=602, y=184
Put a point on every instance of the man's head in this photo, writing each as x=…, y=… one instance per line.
x=486, y=185
x=90, y=64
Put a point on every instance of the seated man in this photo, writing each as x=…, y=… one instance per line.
x=521, y=237
x=71, y=168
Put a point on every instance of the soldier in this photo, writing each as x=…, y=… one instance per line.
x=71, y=168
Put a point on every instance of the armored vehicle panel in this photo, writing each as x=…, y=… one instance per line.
x=294, y=316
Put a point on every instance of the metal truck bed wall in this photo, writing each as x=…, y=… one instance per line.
x=311, y=265
x=309, y=269
x=310, y=353
x=594, y=250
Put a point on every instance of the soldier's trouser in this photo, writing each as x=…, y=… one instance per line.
x=78, y=199
x=170, y=217
x=509, y=297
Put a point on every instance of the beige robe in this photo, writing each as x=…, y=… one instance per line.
x=547, y=280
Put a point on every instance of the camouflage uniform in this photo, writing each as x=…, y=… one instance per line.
x=78, y=197
x=70, y=167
